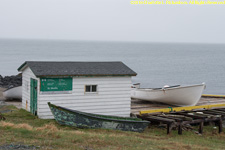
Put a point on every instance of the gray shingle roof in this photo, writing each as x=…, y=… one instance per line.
x=43, y=68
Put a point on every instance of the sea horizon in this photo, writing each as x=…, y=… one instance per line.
x=157, y=64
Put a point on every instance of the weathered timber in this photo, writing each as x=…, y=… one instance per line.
x=194, y=116
x=169, y=127
x=200, y=130
x=159, y=119
x=220, y=124
x=180, y=128
x=169, y=122
x=220, y=109
x=177, y=116
x=180, y=119
x=216, y=112
x=197, y=113
x=212, y=114
x=174, y=118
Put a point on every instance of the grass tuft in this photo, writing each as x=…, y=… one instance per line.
x=24, y=126
x=6, y=124
x=17, y=126
x=49, y=127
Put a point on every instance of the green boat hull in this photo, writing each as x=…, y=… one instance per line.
x=79, y=119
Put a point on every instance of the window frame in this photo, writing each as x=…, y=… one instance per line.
x=91, y=85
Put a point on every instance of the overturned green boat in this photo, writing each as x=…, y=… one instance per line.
x=65, y=116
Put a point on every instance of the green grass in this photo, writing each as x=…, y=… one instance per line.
x=22, y=127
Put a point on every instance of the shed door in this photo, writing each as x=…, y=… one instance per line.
x=33, y=96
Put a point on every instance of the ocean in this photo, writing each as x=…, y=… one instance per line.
x=157, y=64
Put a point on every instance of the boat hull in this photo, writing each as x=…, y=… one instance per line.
x=13, y=93
x=78, y=119
x=179, y=96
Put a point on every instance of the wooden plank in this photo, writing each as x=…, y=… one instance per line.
x=220, y=109
x=158, y=119
x=180, y=129
x=216, y=111
x=220, y=124
x=201, y=127
x=177, y=109
x=178, y=117
x=196, y=121
x=194, y=116
x=211, y=95
x=169, y=127
x=213, y=114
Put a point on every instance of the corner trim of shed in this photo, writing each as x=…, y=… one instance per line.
x=22, y=67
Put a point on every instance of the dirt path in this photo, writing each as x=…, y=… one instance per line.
x=3, y=102
x=1, y=95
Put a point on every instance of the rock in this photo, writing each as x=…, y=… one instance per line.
x=10, y=81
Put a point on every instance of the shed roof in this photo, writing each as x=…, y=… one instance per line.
x=50, y=68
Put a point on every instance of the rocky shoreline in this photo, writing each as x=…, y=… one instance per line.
x=10, y=81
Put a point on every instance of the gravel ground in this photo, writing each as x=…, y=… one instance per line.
x=1, y=95
x=18, y=104
x=18, y=146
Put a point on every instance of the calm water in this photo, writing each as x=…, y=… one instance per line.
x=157, y=64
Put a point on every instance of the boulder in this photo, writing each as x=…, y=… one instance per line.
x=10, y=81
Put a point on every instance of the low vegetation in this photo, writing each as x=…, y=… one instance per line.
x=20, y=127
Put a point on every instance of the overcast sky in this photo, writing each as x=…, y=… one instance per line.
x=111, y=20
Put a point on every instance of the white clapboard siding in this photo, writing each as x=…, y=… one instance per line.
x=82, y=91
x=58, y=102
x=86, y=95
x=112, y=98
x=119, y=112
x=112, y=113
x=96, y=105
x=26, y=75
x=50, y=116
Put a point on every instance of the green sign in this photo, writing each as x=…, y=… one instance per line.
x=56, y=84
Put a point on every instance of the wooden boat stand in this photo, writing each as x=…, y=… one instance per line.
x=182, y=118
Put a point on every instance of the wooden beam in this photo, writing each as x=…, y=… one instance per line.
x=177, y=109
x=201, y=127
x=180, y=129
x=169, y=127
x=220, y=124
x=211, y=95
x=158, y=119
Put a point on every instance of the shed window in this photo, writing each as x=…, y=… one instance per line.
x=91, y=88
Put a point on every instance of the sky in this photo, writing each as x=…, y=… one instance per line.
x=111, y=20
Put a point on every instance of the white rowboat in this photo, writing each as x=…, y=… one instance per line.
x=13, y=93
x=174, y=95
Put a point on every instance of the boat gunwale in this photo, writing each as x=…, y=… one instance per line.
x=96, y=116
x=172, y=88
x=11, y=88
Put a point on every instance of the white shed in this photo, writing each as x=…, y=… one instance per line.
x=93, y=87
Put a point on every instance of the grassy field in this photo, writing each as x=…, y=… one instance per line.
x=24, y=128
